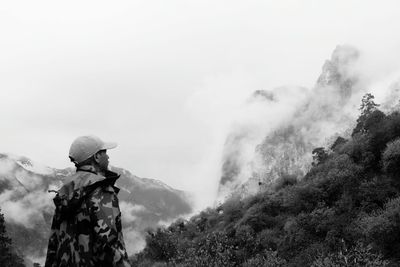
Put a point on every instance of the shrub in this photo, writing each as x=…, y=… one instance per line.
x=161, y=245
x=391, y=157
x=381, y=228
x=232, y=210
x=213, y=249
x=266, y=259
x=285, y=180
x=358, y=256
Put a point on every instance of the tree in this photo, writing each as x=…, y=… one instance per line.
x=367, y=107
x=7, y=256
x=360, y=255
x=391, y=157
x=319, y=155
x=161, y=245
x=367, y=104
x=338, y=143
x=381, y=228
x=5, y=243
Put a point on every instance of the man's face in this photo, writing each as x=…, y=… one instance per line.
x=102, y=159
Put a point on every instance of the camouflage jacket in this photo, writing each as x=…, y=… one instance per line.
x=86, y=229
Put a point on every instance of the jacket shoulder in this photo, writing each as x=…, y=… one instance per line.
x=79, y=181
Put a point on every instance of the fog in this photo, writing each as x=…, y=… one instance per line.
x=289, y=123
x=169, y=81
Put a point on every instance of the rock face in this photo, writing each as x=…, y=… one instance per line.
x=28, y=207
x=286, y=147
x=338, y=72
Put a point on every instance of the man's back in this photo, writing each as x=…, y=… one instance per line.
x=86, y=228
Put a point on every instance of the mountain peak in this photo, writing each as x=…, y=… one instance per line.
x=344, y=54
x=337, y=72
x=285, y=149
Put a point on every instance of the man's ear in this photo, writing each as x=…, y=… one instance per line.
x=96, y=157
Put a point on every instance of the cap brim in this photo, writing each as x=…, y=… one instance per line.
x=109, y=145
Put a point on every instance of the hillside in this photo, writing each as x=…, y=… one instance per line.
x=27, y=205
x=294, y=121
x=345, y=211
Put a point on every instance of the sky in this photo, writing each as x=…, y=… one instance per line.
x=167, y=79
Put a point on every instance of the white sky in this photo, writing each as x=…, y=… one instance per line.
x=165, y=78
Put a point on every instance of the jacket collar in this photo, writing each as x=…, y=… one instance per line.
x=107, y=174
x=87, y=168
x=86, y=176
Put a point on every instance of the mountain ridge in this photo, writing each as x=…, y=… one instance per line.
x=286, y=147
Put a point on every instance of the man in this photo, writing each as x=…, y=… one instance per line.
x=86, y=228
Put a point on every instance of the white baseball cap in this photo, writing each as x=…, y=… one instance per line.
x=86, y=146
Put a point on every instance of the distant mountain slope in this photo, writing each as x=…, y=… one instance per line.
x=28, y=206
x=344, y=212
x=296, y=120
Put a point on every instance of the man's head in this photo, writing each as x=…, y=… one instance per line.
x=89, y=150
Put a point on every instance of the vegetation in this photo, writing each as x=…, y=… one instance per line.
x=344, y=212
x=8, y=257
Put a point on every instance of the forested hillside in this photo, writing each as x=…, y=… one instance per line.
x=344, y=212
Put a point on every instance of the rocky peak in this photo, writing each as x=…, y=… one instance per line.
x=337, y=72
x=287, y=149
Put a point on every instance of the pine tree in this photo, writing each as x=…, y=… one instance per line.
x=367, y=107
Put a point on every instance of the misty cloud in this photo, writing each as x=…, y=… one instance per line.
x=27, y=210
x=134, y=240
x=28, y=206
x=23, y=199
x=283, y=146
x=79, y=68
x=185, y=89
x=130, y=211
x=392, y=100
x=6, y=167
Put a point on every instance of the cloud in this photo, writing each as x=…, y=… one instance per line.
x=168, y=90
x=130, y=211
x=36, y=258
x=6, y=167
x=256, y=118
x=134, y=226
x=165, y=223
x=134, y=240
x=28, y=210
x=274, y=135
x=24, y=200
x=29, y=181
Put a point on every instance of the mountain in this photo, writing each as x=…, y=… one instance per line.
x=28, y=206
x=345, y=211
x=294, y=124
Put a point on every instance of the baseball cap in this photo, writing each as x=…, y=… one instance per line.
x=86, y=146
